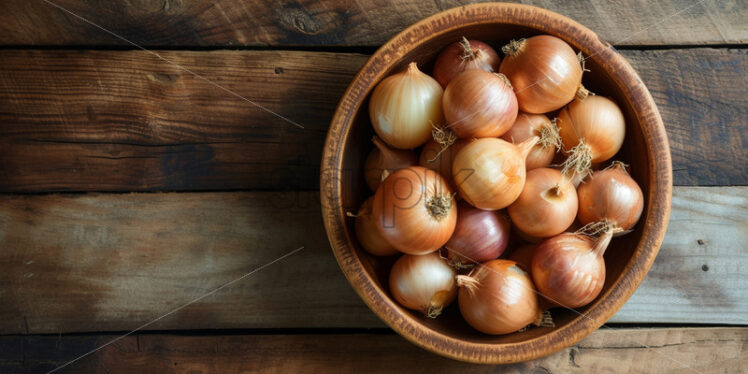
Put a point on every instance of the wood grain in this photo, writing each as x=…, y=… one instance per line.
x=128, y=121
x=111, y=262
x=652, y=350
x=339, y=23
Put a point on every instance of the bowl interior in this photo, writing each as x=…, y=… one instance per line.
x=358, y=144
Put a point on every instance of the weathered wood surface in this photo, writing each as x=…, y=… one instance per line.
x=652, y=350
x=111, y=262
x=340, y=23
x=128, y=121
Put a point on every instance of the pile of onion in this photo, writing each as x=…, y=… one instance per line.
x=527, y=150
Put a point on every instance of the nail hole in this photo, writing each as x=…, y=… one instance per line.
x=704, y=267
x=700, y=241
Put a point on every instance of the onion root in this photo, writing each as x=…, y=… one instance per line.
x=514, y=47
x=439, y=206
x=579, y=164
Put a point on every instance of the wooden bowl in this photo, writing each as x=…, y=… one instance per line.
x=349, y=140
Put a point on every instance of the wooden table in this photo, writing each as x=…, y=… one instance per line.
x=138, y=182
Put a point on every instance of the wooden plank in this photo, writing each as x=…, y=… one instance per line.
x=339, y=23
x=113, y=121
x=128, y=121
x=654, y=350
x=112, y=262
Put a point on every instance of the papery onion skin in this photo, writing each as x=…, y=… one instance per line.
x=383, y=158
x=568, y=270
x=415, y=211
x=432, y=157
x=490, y=172
x=479, y=104
x=498, y=298
x=544, y=71
x=464, y=55
x=404, y=106
x=596, y=122
x=423, y=282
x=528, y=125
x=367, y=233
x=611, y=195
x=547, y=205
x=480, y=235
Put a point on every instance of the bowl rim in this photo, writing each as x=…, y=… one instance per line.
x=657, y=208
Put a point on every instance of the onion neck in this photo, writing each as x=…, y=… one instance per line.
x=504, y=79
x=582, y=93
x=618, y=165
x=526, y=146
x=602, y=242
x=413, y=68
x=439, y=206
x=514, y=47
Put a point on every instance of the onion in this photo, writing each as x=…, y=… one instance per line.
x=480, y=235
x=545, y=72
x=611, y=196
x=415, y=211
x=547, y=205
x=424, y=283
x=367, y=233
x=383, y=158
x=498, y=298
x=490, y=172
x=438, y=158
x=464, y=55
x=479, y=104
x=528, y=125
x=592, y=131
x=404, y=106
x=569, y=269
